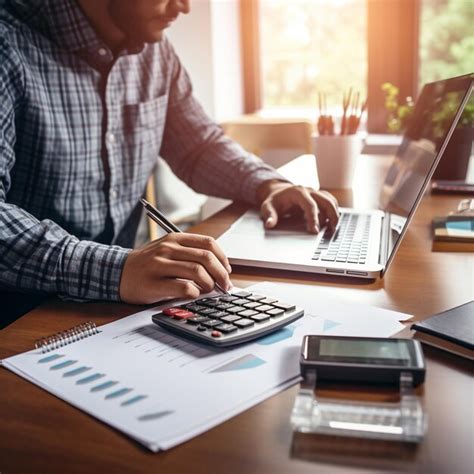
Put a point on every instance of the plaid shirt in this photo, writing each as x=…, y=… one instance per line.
x=80, y=133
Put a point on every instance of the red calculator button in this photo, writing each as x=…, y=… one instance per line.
x=216, y=334
x=172, y=311
x=183, y=314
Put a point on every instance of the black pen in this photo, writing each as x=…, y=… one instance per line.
x=156, y=216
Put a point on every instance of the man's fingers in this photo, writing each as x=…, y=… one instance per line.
x=155, y=271
x=311, y=212
x=174, y=288
x=331, y=197
x=310, y=209
x=187, y=270
x=328, y=206
x=269, y=214
x=203, y=242
x=204, y=257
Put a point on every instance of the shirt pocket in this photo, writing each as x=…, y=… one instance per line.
x=143, y=126
x=150, y=114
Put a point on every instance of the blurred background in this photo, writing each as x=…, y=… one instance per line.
x=271, y=58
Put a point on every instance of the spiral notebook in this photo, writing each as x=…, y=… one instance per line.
x=162, y=390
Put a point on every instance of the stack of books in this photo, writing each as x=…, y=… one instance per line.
x=453, y=233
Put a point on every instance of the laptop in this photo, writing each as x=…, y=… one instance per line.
x=365, y=241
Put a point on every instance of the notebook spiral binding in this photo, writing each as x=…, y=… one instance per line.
x=63, y=338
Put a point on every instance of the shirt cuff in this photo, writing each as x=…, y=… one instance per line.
x=262, y=173
x=91, y=271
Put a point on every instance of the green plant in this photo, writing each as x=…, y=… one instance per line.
x=397, y=114
x=467, y=117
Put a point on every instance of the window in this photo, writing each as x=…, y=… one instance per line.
x=446, y=39
x=311, y=46
x=295, y=48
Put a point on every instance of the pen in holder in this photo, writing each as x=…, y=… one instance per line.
x=336, y=154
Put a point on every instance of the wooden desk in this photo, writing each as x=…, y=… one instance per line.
x=43, y=434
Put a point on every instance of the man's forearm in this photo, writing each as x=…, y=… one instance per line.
x=40, y=256
x=223, y=168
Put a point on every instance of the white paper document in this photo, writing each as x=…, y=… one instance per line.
x=162, y=390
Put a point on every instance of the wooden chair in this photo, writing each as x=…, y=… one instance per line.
x=150, y=196
x=258, y=134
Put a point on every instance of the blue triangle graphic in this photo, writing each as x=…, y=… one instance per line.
x=248, y=361
x=328, y=324
x=277, y=336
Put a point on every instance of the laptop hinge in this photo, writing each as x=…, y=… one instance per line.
x=384, y=239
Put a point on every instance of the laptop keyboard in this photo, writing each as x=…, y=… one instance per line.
x=349, y=243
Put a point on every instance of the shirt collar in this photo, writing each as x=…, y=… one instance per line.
x=65, y=23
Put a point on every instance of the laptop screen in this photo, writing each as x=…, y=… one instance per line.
x=436, y=114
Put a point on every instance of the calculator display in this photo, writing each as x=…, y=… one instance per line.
x=373, y=360
x=364, y=351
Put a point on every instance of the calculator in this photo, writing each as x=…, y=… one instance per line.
x=227, y=320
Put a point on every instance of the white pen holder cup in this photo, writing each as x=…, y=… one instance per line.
x=336, y=159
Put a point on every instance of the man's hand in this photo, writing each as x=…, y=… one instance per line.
x=179, y=265
x=277, y=198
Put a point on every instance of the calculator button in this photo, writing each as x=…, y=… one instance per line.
x=183, y=314
x=204, y=300
x=218, y=314
x=224, y=306
x=230, y=318
x=242, y=294
x=268, y=301
x=259, y=318
x=171, y=311
x=197, y=320
x=228, y=299
x=226, y=328
x=275, y=312
x=212, y=323
x=216, y=334
x=202, y=328
x=194, y=307
x=212, y=303
x=264, y=307
x=255, y=297
x=284, y=306
x=251, y=305
x=207, y=311
x=235, y=309
x=244, y=323
x=240, y=302
x=247, y=313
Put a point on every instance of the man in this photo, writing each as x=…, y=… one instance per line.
x=91, y=94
